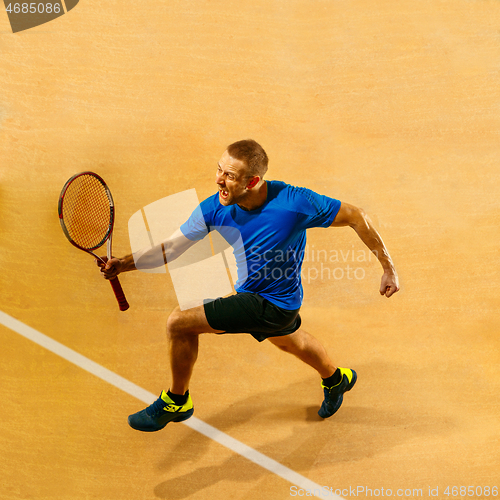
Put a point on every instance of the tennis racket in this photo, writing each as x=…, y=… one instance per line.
x=87, y=217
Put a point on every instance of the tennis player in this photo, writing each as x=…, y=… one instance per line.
x=270, y=219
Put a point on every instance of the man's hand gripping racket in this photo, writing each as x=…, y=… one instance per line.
x=87, y=217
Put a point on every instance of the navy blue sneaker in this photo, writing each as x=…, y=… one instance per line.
x=334, y=395
x=160, y=413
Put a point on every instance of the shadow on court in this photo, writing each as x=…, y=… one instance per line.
x=352, y=435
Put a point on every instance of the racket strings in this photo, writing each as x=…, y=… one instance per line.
x=87, y=212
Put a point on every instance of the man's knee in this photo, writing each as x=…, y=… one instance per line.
x=188, y=322
x=292, y=342
x=283, y=342
x=175, y=322
x=282, y=347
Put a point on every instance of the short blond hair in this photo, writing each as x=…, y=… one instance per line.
x=252, y=153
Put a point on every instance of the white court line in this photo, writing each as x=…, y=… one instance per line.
x=148, y=397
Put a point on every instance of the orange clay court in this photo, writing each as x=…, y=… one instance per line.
x=390, y=106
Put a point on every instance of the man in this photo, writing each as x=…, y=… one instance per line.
x=270, y=219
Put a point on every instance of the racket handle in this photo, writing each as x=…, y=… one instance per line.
x=120, y=296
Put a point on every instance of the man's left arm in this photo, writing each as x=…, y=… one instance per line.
x=349, y=215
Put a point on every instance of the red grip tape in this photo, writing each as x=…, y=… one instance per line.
x=120, y=296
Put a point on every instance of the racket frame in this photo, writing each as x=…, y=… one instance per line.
x=107, y=238
x=109, y=233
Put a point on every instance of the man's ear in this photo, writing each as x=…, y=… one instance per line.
x=253, y=181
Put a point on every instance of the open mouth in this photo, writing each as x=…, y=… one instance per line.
x=223, y=193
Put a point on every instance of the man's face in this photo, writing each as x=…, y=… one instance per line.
x=232, y=179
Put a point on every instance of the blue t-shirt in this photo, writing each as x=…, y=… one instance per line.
x=268, y=242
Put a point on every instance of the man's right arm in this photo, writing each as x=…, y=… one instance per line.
x=149, y=258
x=349, y=215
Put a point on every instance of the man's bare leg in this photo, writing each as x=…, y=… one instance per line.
x=308, y=349
x=183, y=330
x=336, y=381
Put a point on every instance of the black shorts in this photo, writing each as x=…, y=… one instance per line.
x=250, y=313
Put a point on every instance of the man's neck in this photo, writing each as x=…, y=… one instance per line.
x=257, y=197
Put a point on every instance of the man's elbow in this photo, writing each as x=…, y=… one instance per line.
x=358, y=218
x=349, y=215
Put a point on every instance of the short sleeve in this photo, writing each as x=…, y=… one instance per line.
x=196, y=227
x=316, y=210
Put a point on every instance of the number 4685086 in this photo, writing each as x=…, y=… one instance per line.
x=34, y=8
x=472, y=491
